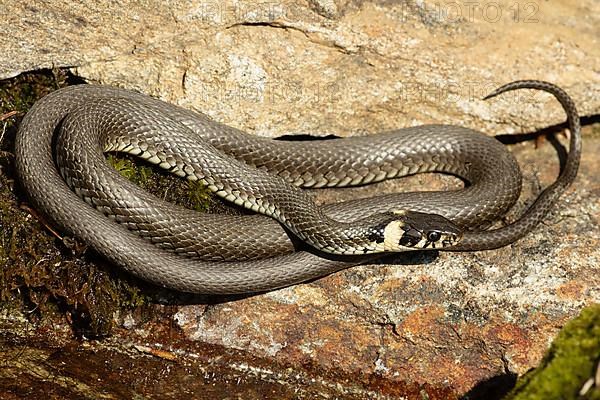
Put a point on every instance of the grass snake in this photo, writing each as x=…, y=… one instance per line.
x=60, y=162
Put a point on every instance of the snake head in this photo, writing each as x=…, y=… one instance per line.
x=415, y=230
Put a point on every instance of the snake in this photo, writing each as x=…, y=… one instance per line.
x=287, y=239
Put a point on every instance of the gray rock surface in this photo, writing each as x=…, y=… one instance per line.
x=279, y=67
x=352, y=68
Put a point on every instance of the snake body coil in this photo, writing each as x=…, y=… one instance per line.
x=60, y=146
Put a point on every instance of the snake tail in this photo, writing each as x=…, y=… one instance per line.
x=496, y=238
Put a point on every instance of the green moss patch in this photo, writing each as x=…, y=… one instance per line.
x=193, y=195
x=570, y=362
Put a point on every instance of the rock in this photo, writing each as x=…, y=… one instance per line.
x=437, y=325
x=575, y=350
x=274, y=68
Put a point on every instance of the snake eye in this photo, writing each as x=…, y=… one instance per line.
x=434, y=236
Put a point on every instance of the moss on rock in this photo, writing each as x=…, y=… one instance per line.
x=52, y=275
x=570, y=362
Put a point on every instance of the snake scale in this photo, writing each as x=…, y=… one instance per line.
x=60, y=162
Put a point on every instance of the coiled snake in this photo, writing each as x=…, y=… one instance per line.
x=60, y=163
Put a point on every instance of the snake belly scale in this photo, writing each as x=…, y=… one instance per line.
x=60, y=163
